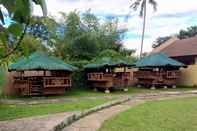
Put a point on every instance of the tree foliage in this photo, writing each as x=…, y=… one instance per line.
x=85, y=37
x=76, y=38
x=142, y=4
x=20, y=13
x=189, y=32
x=183, y=34
x=160, y=40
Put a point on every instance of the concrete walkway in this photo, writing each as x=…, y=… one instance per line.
x=39, y=123
x=94, y=121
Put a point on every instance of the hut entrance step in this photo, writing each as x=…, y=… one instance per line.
x=36, y=86
x=36, y=90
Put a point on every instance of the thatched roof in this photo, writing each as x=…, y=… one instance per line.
x=107, y=62
x=41, y=61
x=158, y=60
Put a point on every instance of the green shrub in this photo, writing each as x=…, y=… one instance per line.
x=79, y=79
x=79, y=76
x=2, y=79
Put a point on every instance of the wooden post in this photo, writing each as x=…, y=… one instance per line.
x=165, y=87
x=174, y=86
x=44, y=73
x=95, y=89
x=153, y=87
x=107, y=91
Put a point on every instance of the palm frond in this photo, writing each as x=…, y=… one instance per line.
x=154, y=4
x=136, y=4
x=142, y=8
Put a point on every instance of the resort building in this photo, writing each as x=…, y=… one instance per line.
x=39, y=74
x=157, y=70
x=102, y=74
x=185, y=51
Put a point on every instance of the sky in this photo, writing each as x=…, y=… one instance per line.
x=170, y=17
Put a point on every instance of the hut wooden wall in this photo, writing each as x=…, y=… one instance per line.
x=9, y=87
x=133, y=80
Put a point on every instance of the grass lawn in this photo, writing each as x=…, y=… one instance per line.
x=18, y=111
x=166, y=115
x=80, y=92
x=84, y=92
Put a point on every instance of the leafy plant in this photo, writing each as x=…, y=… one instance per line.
x=20, y=13
x=2, y=79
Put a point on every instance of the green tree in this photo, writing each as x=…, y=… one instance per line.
x=85, y=37
x=19, y=11
x=143, y=11
x=130, y=58
x=90, y=21
x=189, y=32
x=182, y=34
x=160, y=40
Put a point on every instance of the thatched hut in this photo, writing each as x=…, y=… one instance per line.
x=157, y=70
x=40, y=74
x=101, y=74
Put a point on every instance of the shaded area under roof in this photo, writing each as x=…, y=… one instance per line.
x=158, y=60
x=108, y=62
x=41, y=61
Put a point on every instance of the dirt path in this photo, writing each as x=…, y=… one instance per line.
x=40, y=123
x=94, y=121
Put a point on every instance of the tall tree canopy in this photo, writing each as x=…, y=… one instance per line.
x=84, y=37
x=77, y=37
x=143, y=10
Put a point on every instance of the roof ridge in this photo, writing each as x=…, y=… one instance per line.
x=182, y=47
x=166, y=44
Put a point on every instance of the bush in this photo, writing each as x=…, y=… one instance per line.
x=2, y=79
x=79, y=76
x=79, y=79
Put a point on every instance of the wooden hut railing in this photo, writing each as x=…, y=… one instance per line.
x=172, y=74
x=22, y=86
x=99, y=76
x=20, y=83
x=120, y=82
x=57, y=81
x=145, y=74
x=126, y=75
x=156, y=75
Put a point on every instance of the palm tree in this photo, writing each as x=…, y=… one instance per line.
x=143, y=10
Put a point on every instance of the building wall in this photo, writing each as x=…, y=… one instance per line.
x=188, y=76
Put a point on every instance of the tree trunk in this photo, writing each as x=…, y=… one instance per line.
x=143, y=30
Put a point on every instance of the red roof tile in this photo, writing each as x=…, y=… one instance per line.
x=184, y=47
